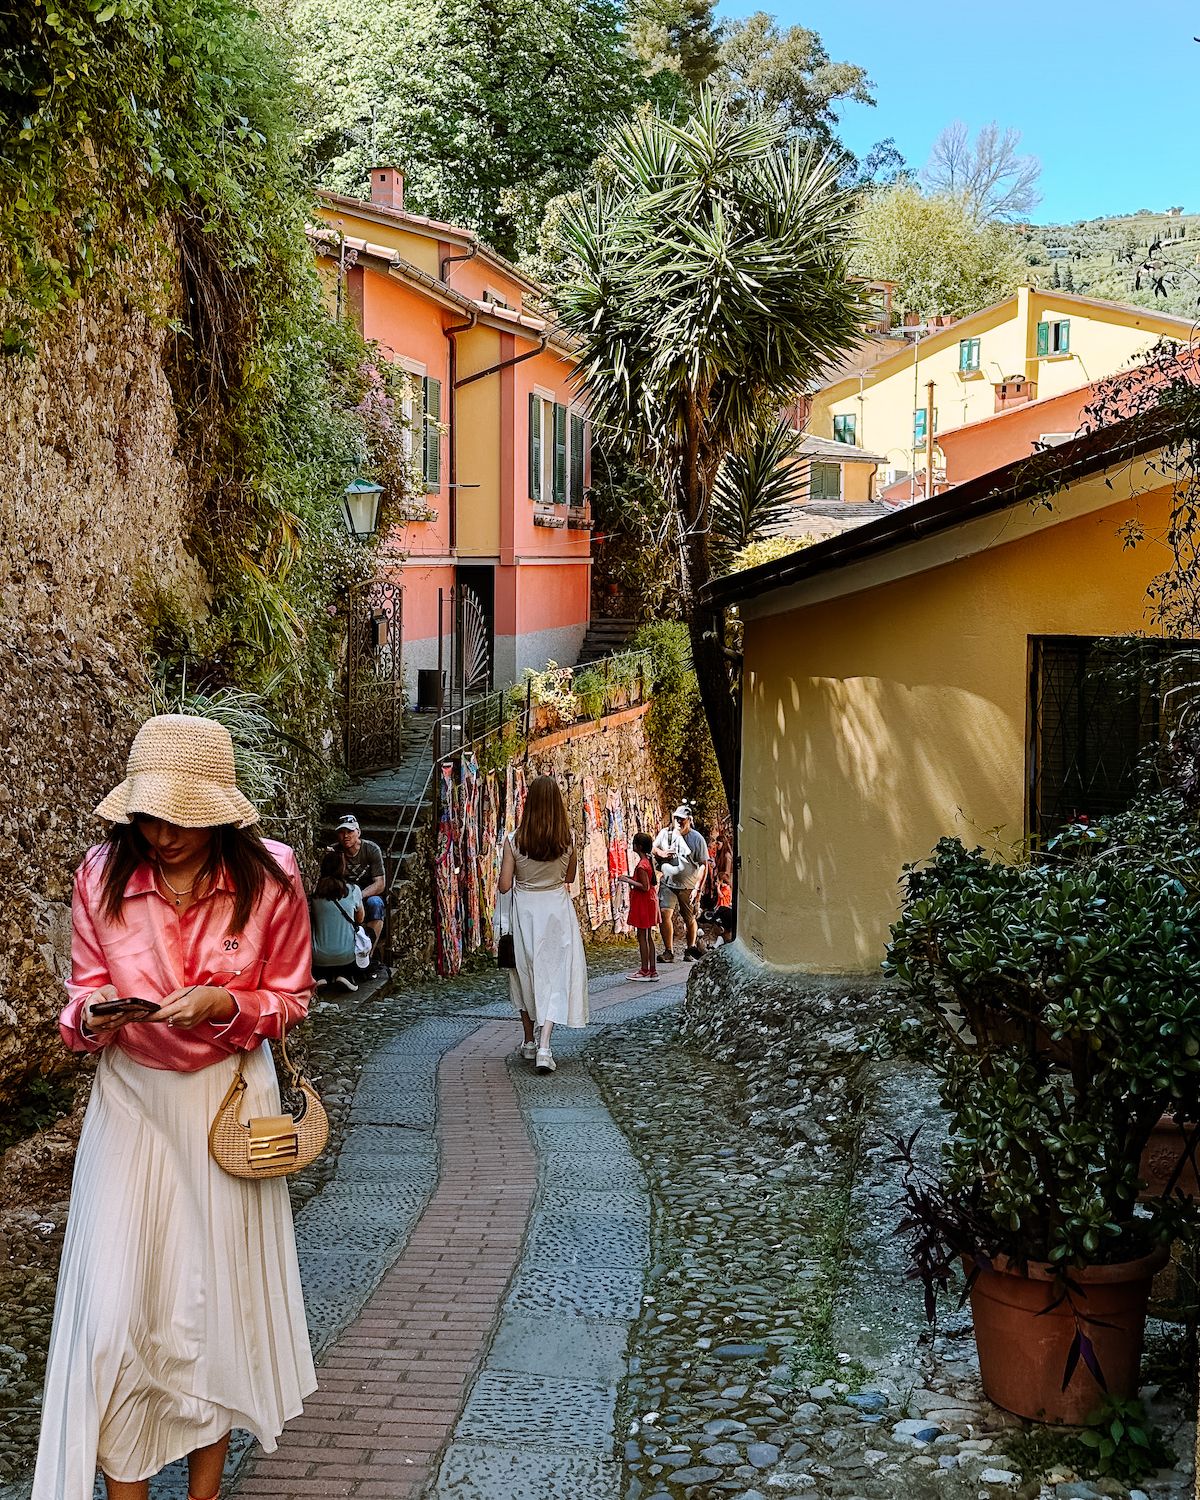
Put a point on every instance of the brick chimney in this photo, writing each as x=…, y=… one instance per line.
x=387, y=187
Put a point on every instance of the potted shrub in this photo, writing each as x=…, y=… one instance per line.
x=1058, y=1004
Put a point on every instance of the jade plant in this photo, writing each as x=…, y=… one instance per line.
x=1057, y=1002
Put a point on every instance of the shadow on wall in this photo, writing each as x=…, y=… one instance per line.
x=858, y=776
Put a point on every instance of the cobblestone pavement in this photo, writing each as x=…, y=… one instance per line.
x=666, y=1272
x=779, y=1351
x=395, y=1377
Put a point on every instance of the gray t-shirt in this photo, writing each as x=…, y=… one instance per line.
x=365, y=866
x=685, y=873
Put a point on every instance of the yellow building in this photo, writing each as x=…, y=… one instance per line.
x=1036, y=343
x=923, y=675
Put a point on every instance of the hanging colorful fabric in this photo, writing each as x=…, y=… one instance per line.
x=445, y=871
x=596, y=887
x=518, y=796
x=618, y=860
x=491, y=853
x=468, y=884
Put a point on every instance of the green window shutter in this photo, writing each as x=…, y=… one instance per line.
x=964, y=354
x=560, y=453
x=918, y=426
x=535, y=447
x=432, y=460
x=845, y=429
x=1043, y=343
x=1064, y=337
x=577, y=441
x=825, y=482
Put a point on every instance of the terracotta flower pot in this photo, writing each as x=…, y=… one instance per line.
x=1023, y=1348
x=1161, y=1157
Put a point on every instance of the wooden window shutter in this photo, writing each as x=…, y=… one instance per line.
x=535, y=447
x=560, y=453
x=919, y=426
x=577, y=441
x=1043, y=339
x=1064, y=337
x=432, y=464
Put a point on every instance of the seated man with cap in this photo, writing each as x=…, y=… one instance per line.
x=364, y=868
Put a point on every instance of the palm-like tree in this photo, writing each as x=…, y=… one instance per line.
x=711, y=286
x=756, y=490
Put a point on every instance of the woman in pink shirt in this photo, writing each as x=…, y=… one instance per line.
x=179, y=1312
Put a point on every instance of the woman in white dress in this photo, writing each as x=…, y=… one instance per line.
x=548, y=986
x=179, y=1313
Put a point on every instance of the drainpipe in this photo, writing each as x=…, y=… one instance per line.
x=449, y=260
x=505, y=364
x=452, y=413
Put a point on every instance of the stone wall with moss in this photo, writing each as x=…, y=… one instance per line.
x=93, y=509
x=613, y=753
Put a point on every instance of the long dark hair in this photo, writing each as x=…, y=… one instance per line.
x=331, y=883
x=545, y=831
x=240, y=852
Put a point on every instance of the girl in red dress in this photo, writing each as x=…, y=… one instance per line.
x=643, y=907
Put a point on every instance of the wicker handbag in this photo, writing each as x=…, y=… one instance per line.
x=268, y=1145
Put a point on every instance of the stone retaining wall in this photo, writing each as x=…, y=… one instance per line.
x=614, y=753
x=93, y=510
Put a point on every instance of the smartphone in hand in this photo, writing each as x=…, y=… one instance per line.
x=130, y=1005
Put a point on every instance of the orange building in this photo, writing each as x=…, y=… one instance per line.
x=503, y=438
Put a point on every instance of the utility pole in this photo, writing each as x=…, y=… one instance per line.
x=929, y=439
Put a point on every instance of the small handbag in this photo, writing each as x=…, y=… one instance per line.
x=506, y=952
x=362, y=939
x=267, y=1145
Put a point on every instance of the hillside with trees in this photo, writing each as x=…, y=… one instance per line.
x=1147, y=258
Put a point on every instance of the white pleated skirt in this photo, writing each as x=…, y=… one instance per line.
x=179, y=1314
x=549, y=982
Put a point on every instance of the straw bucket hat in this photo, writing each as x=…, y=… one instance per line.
x=180, y=769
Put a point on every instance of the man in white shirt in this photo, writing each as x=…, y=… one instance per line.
x=682, y=857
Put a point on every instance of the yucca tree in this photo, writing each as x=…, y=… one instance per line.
x=711, y=285
x=756, y=490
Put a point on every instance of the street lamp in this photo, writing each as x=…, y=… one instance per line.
x=360, y=504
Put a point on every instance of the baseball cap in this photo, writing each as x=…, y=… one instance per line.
x=349, y=821
x=682, y=812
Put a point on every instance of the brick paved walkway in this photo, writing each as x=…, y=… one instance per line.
x=393, y=1384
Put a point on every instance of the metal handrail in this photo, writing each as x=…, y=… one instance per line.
x=484, y=719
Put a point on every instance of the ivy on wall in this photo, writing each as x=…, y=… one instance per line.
x=148, y=152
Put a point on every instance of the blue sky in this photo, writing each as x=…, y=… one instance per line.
x=1102, y=91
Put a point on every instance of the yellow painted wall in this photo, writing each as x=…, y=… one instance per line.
x=420, y=249
x=876, y=722
x=479, y=447
x=1102, y=341
x=857, y=481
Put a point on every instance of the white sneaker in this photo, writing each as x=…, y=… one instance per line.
x=545, y=1061
x=346, y=983
x=529, y=1050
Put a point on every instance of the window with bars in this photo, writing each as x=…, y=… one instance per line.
x=1099, y=706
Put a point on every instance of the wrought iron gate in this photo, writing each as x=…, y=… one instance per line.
x=374, y=676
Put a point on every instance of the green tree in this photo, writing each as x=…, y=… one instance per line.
x=756, y=490
x=931, y=247
x=787, y=74
x=712, y=284
x=678, y=43
x=491, y=107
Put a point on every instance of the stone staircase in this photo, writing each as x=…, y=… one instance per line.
x=606, y=638
x=392, y=806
